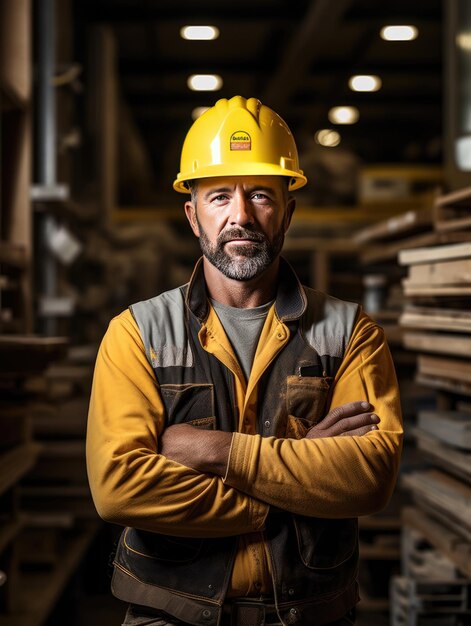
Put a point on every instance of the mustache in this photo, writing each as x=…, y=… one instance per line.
x=240, y=233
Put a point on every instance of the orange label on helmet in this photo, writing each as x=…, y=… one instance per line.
x=240, y=140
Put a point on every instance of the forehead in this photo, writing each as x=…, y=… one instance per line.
x=275, y=183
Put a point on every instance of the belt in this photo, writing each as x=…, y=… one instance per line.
x=249, y=612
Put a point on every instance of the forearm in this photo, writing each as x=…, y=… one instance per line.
x=132, y=483
x=150, y=492
x=331, y=477
x=335, y=476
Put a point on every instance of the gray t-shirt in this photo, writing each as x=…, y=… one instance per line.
x=243, y=328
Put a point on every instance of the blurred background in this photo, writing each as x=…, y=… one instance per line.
x=96, y=97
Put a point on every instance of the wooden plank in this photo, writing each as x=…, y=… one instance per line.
x=461, y=197
x=441, y=273
x=455, y=369
x=390, y=250
x=449, y=542
x=436, y=319
x=436, y=253
x=26, y=354
x=37, y=593
x=379, y=522
x=443, y=492
x=449, y=225
x=434, y=290
x=444, y=384
x=8, y=532
x=452, y=427
x=452, y=211
x=15, y=47
x=71, y=499
x=13, y=254
x=397, y=226
x=16, y=463
x=379, y=553
x=456, y=345
x=451, y=460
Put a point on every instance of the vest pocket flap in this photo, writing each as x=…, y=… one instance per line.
x=325, y=543
x=188, y=403
x=162, y=547
x=306, y=397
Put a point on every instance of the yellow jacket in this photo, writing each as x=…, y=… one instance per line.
x=339, y=477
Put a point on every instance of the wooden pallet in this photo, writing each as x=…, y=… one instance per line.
x=441, y=536
x=413, y=601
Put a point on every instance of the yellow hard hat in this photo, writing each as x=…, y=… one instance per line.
x=239, y=137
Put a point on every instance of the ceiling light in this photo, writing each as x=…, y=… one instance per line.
x=399, y=33
x=463, y=41
x=198, y=112
x=364, y=82
x=199, y=33
x=204, y=82
x=327, y=137
x=343, y=115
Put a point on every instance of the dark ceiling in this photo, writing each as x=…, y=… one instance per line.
x=295, y=56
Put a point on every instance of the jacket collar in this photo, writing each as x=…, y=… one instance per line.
x=290, y=301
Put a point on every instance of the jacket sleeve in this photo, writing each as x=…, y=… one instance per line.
x=131, y=483
x=344, y=476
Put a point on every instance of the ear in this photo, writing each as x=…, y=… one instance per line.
x=290, y=206
x=190, y=212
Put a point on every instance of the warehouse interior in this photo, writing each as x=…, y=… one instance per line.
x=96, y=97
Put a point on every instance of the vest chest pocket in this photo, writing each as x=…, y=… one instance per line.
x=189, y=403
x=306, y=401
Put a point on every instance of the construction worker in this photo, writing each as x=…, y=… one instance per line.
x=241, y=423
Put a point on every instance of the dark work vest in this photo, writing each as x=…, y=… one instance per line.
x=313, y=560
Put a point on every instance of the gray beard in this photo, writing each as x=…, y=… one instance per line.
x=256, y=257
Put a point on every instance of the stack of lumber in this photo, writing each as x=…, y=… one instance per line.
x=46, y=511
x=436, y=324
x=424, y=257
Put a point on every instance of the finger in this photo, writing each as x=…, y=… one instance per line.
x=360, y=431
x=351, y=423
x=346, y=410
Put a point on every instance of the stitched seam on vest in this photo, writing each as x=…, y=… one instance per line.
x=173, y=591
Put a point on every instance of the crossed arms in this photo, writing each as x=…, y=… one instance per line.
x=139, y=477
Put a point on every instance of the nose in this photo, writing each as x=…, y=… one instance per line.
x=241, y=210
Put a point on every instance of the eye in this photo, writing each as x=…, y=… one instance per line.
x=221, y=197
x=259, y=196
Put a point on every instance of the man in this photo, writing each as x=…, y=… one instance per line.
x=219, y=410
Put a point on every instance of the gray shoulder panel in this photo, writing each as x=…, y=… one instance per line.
x=328, y=323
x=161, y=321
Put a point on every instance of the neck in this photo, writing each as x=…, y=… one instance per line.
x=238, y=293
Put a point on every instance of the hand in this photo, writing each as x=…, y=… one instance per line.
x=205, y=451
x=354, y=418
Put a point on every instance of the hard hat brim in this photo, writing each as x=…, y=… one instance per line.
x=297, y=181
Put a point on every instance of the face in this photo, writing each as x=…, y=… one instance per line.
x=241, y=222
